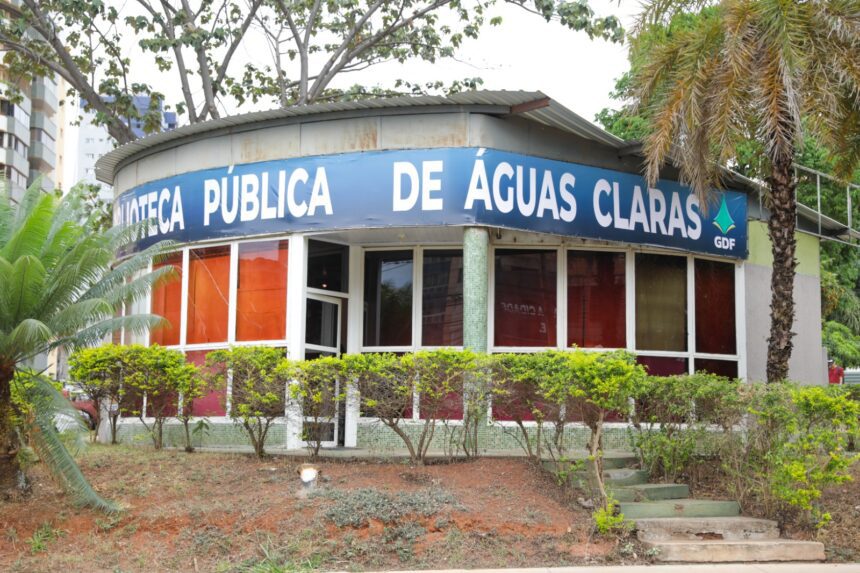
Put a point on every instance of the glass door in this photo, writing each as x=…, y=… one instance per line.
x=322, y=338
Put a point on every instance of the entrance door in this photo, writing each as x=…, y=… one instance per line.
x=322, y=338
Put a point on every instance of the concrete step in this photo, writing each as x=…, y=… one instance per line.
x=650, y=491
x=732, y=551
x=611, y=461
x=705, y=528
x=679, y=508
x=615, y=477
x=625, y=477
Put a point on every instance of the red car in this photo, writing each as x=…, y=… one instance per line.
x=84, y=405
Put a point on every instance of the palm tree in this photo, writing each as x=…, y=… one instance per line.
x=722, y=72
x=60, y=285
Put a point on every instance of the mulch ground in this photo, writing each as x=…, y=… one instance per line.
x=225, y=512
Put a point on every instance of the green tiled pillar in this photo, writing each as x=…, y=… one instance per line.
x=476, y=247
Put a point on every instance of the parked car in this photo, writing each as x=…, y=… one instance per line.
x=84, y=404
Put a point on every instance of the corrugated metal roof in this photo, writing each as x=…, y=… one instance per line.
x=544, y=111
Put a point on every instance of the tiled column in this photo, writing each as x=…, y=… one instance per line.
x=476, y=246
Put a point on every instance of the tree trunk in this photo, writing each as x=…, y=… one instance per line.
x=13, y=482
x=781, y=227
x=189, y=446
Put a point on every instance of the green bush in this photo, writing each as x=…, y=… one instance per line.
x=674, y=417
x=159, y=375
x=791, y=447
x=315, y=385
x=259, y=391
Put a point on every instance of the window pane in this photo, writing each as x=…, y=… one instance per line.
x=595, y=300
x=715, y=307
x=328, y=266
x=213, y=403
x=261, y=296
x=442, y=300
x=663, y=366
x=167, y=302
x=388, y=298
x=208, y=286
x=727, y=368
x=321, y=323
x=525, y=304
x=661, y=302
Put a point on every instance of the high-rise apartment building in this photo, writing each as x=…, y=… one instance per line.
x=93, y=141
x=28, y=128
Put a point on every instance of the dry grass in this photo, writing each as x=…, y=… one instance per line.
x=220, y=512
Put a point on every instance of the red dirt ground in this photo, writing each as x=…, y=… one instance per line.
x=222, y=512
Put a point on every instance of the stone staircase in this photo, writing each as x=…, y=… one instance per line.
x=682, y=529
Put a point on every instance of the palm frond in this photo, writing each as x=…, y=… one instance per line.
x=47, y=403
x=30, y=234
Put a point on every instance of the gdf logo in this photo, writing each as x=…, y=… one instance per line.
x=724, y=222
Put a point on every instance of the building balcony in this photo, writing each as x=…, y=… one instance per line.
x=46, y=91
x=47, y=183
x=15, y=159
x=41, y=121
x=39, y=152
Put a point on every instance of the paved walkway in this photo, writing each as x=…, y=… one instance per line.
x=721, y=568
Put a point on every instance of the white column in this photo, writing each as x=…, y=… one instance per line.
x=741, y=319
x=297, y=274
x=691, y=314
x=354, y=328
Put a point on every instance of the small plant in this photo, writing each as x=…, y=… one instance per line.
x=608, y=520
x=42, y=537
x=201, y=430
x=108, y=523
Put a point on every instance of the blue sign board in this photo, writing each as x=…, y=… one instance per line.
x=432, y=187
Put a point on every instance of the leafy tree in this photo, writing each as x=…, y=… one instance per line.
x=259, y=390
x=738, y=67
x=842, y=344
x=194, y=43
x=97, y=372
x=156, y=375
x=59, y=286
x=604, y=382
x=314, y=384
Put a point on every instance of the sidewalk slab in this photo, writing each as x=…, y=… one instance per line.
x=695, y=568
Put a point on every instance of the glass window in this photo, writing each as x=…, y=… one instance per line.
x=663, y=365
x=388, y=298
x=167, y=302
x=721, y=367
x=328, y=266
x=321, y=323
x=208, y=288
x=661, y=302
x=715, y=307
x=215, y=402
x=261, y=294
x=442, y=299
x=595, y=300
x=525, y=298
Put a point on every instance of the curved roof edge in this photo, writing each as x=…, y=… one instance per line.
x=532, y=105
